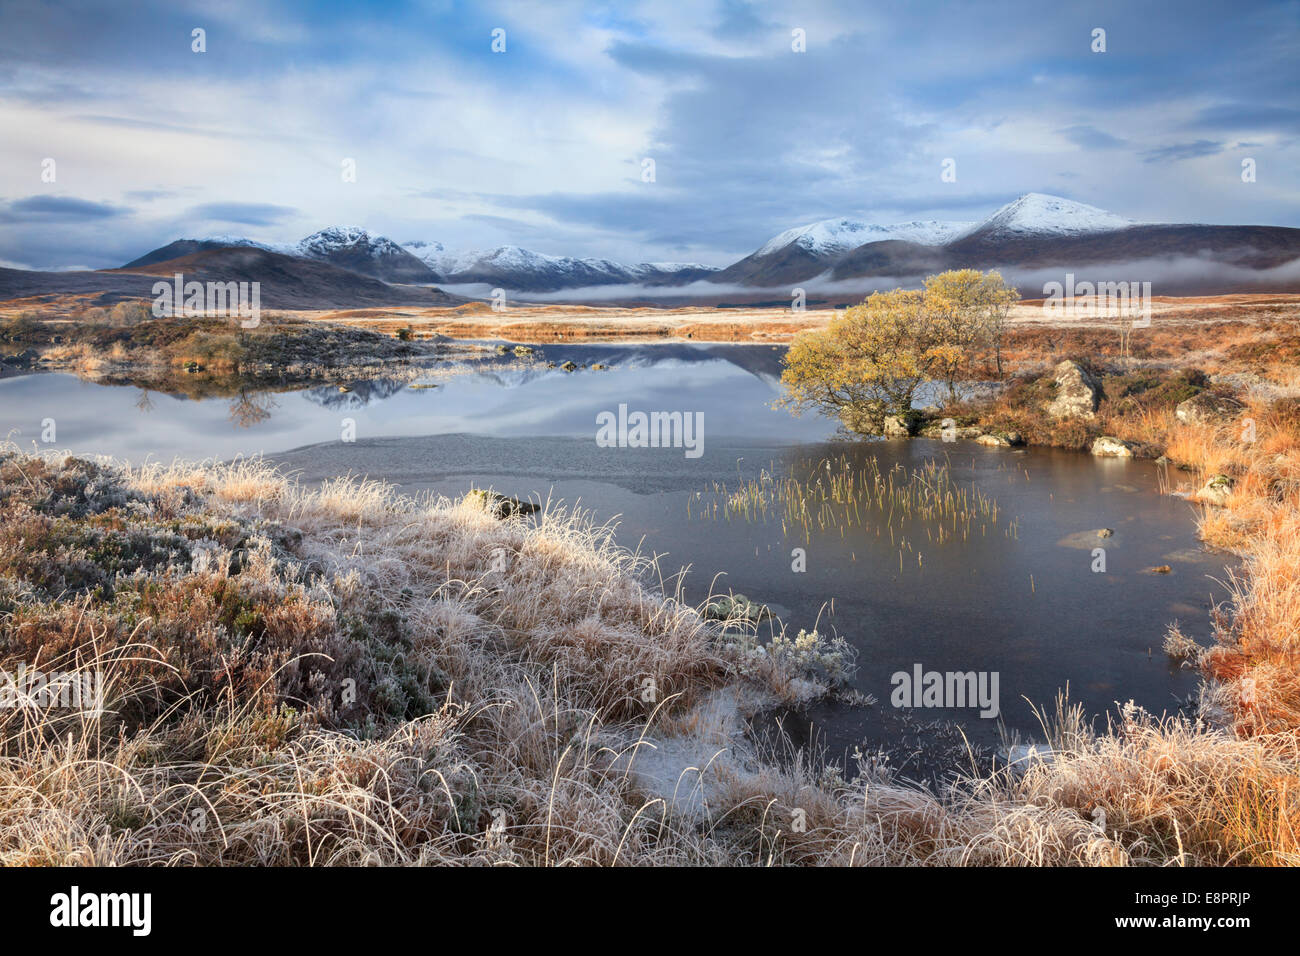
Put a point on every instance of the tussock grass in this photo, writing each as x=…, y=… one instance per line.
x=495, y=674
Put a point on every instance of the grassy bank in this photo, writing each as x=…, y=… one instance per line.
x=344, y=676
x=209, y=356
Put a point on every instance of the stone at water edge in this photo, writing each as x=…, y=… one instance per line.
x=1076, y=392
x=1206, y=408
x=1107, y=446
x=999, y=439
x=1105, y=532
x=502, y=506
x=1217, y=490
x=896, y=427
x=736, y=607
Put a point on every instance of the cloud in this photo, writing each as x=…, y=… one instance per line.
x=149, y=195
x=57, y=209
x=1087, y=137
x=1179, y=151
x=543, y=144
x=244, y=213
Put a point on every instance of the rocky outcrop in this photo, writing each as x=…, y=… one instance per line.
x=1108, y=446
x=1217, y=490
x=902, y=426
x=1000, y=439
x=736, y=607
x=1207, y=408
x=1076, y=392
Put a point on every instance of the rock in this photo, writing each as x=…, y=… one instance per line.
x=896, y=426
x=1160, y=569
x=737, y=607
x=569, y=366
x=1107, y=446
x=1206, y=408
x=502, y=506
x=1076, y=392
x=523, y=350
x=1000, y=439
x=1217, y=490
x=25, y=358
x=1105, y=533
x=599, y=366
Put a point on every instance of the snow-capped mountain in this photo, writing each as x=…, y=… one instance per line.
x=352, y=247
x=851, y=248
x=807, y=251
x=348, y=247
x=1037, y=214
x=1033, y=232
x=1039, y=232
x=523, y=270
x=834, y=237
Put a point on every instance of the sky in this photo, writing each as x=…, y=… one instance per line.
x=116, y=136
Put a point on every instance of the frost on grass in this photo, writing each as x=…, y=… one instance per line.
x=342, y=676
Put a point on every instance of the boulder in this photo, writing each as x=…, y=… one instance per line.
x=898, y=426
x=1217, y=490
x=1076, y=392
x=736, y=607
x=502, y=506
x=1107, y=446
x=1206, y=408
x=23, y=359
x=1000, y=439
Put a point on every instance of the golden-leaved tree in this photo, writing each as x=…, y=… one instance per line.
x=870, y=359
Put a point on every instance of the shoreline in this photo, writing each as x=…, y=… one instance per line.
x=1230, y=778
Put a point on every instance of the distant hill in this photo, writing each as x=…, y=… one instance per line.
x=287, y=282
x=1035, y=232
x=837, y=259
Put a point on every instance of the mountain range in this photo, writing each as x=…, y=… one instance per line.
x=841, y=256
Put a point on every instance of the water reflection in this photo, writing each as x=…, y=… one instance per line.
x=907, y=580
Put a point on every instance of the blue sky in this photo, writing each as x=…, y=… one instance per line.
x=542, y=145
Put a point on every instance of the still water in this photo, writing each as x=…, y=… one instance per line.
x=1017, y=597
